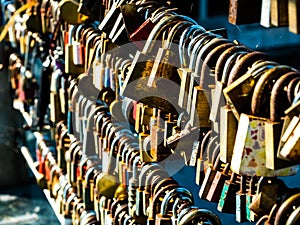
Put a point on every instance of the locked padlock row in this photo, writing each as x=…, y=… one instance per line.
x=135, y=87
x=268, y=13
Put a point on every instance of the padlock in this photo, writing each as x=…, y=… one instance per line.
x=139, y=191
x=133, y=184
x=293, y=15
x=236, y=92
x=279, y=13
x=240, y=210
x=189, y=33
x=278, y=103
x=70, y=67
x=239, y=12
x=88, y=217
x=68, y=155
x=268, y=190
x=155, y=204
x=106, y=185
x=209, y=177
x=113, y=210
x=148, y=182
x=207, y=79
x=119, y=214
x=227, y=202
x=165, y=59
x=217, y=184
x=265, y=17
x=289, y=150
x=140, y=78
x=127, y=169
x=68, y=205
x=265, y=80
x=122, y=163
x=228, y=129
x=198, y=51
x=163, y=217
x=74, y=214
x=157, y=149
x=221, y=76
x=200, y=161
x=64, y=144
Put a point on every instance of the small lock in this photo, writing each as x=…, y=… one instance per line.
x=227, y=202
x=200, y=161
x=209, y=177
x=218, y=183
x=148, y=182
x=241, y=195
x=250, y=194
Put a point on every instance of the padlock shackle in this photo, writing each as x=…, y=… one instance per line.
x=276, y=109
x=263, y=84
x=135, y=165
x=160, y=26
x=181, y=200
x=199, y=213
x=210, y=60
x=185, y=36
x=220, y=64
x=291, y=88
x=176, y=192
x=174, y=31
x=242, y=64
x=203, y=51
x=150, y=176
x=216, y=155
x=209, y=149
x=164, y=182
x=145, y=170
x=156, y=198
x=204, y=142
x=195, y=46
x=285, y=208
